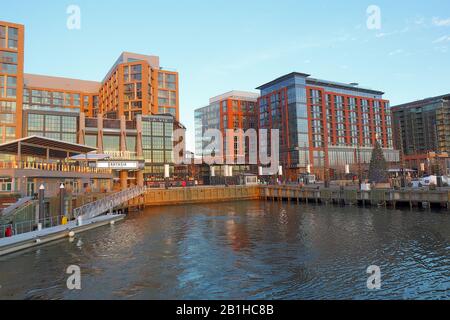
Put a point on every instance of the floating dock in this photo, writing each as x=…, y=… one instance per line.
x=36, y=238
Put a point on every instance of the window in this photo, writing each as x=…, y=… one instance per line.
x=91, y=140
x=8, y=57
x=76, y=99
x=131, y=144
x=158, y=129
x=168, y=129
x=111, y=143
x=69, y=137
x=158, y=143
x=36, y=122
x=8, y=68
x=13, y=37
x=53, y=123
x=158, y=156
x=2, y=36
x=69, y=124
x=10, y=132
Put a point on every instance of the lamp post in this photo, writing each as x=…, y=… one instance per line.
x=260, y=173
x=166, y=175
x=212, y=174
x=41, y=195
x=280, y=173
x=61, y=202
x=225, y=174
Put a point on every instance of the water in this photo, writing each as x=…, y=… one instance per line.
x=243, y=250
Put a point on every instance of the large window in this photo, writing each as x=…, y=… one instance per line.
x=8, y=68
x=36, y=122
x=8, y=57
x=90, y=140
x=158, y=129
x=13, y=37
x=58, y=127
x=111, y=143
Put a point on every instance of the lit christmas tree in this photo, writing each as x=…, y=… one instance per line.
x=378, y=166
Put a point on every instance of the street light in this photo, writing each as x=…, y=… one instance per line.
x=61, y=202
x=166, y=175
x=41, y=195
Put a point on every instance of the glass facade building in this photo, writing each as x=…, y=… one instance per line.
x=422, y=127
x=234, y=110
x=324, y=124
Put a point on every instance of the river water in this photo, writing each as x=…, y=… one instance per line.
x=243, y=250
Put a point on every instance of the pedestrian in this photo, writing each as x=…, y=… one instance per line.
x=9, y=231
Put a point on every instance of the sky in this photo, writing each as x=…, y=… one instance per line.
x=222, y=45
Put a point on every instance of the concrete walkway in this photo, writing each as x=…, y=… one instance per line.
x=35, y=238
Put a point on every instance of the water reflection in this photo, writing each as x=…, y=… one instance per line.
x=248, y=250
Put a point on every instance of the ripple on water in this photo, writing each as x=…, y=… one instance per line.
x=246, y=250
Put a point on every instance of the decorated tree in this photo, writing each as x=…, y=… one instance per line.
x=378, y=166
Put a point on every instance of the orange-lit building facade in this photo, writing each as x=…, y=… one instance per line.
x=230, y=111
x=325, y=125
x=135, y=85
x=11, y=80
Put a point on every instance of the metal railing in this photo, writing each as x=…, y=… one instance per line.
x=99, y=207
x=29, y=226
x=16, y=206
x=28, y=165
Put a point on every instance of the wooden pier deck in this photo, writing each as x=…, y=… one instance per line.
x=378, y=197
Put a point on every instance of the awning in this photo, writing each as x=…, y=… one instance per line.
x=43, y=147
x=91, y=157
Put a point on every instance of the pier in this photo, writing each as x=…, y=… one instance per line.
x=378, y=197
x=413, y=198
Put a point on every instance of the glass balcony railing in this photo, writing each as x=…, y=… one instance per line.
x=60, y=167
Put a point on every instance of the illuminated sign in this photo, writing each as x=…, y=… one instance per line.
x=118, y=165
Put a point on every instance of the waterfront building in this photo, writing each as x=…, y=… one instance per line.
x=324, y=125
x=234, y=110
x=136, y=150
x=135, y=85
x=130, y=115
x=45, y=161
x=422, y=132
x=11, y=79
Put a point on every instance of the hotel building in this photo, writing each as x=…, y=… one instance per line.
x=132, y=111
x=325, y=125
x=233, y=110
x=422, y=132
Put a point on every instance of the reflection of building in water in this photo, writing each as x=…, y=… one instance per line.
x=237, y=235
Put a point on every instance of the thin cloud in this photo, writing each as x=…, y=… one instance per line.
x=438, y=22
x=396, y=52
x=442, y=39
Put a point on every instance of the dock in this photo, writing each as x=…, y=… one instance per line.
x=413, y=198
x=32, y=239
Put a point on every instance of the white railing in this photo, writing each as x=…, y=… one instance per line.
x=107, y=204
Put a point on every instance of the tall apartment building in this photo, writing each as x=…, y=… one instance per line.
x=422, y=130
x=324, y=124
x=11, y=79
x=136, y=87
x=229, y=111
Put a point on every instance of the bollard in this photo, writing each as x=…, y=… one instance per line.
x=39, y=226
x=80, y=221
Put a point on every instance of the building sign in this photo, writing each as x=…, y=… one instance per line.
x=119, y=165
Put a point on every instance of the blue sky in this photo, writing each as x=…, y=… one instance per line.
x=218, y=46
